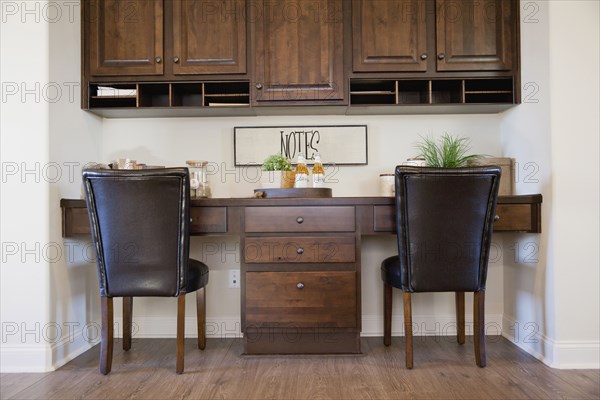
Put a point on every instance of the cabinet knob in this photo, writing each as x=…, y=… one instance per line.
x=441, y=56
x=175, y=60
x=496, y=217
x=300, y=285
x=424, y=56
x=300, y=250
x=158, y=60
x=299, y=220
x=259, y=86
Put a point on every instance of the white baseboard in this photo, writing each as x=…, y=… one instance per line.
x=556, y=354
x=372, y=325
x=429, y=325
x=71, y=347
x=166, y=327
x=25, y=358
x=47, y=355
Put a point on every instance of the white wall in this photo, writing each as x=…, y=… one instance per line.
x=46, y=300
x=75, y=139
x=551, y=280
x=24, y=208
x=391, y=140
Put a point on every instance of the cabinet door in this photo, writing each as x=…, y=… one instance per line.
x=474, y=35
x=298, y=50
x=389, y=35
x=209, y=37
x=126, y=37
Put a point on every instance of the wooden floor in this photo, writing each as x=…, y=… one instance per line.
x=443, y=370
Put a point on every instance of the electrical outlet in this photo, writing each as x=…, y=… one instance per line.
x=234, y=278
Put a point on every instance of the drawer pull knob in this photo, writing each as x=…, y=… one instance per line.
x=299, y=220
x=496, y=217
x=300, y=250
x=300, y=285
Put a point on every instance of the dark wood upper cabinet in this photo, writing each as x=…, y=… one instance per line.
x=209, y=37
x=404, y=35
x=125, y=37
x=388, y=36
x=235, y=56
x=475, y=35
x=298, y=50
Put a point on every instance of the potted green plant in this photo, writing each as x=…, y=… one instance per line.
x=448, y=152
x=277, y=172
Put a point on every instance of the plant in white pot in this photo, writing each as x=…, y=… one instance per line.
x=277, y=172
x=448, y=152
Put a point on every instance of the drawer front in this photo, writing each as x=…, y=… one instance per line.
x=384, y=219
x=75, y=222
x=300, y=219
x=513, y=217
x=208, y=220
x=301, y=299
x=314, y=249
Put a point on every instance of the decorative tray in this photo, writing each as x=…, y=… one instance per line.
x=293, y=192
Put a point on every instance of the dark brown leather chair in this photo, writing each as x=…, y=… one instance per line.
x=444, y=223
x=140, y=223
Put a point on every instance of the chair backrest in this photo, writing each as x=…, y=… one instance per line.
x=140, y=228
x=444, y=221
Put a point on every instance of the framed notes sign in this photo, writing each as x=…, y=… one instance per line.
x=340, y=144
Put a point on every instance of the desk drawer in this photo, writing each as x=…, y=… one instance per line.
x=300, y=219
x=512, y=218
x=314, y=249
x=301, y=299
x=384, y=219
x=208, y=220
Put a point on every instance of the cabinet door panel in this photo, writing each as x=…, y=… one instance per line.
x=126, y=37
x=209, y=37
x=473, y=36
x=298, y=53
x=389, y=35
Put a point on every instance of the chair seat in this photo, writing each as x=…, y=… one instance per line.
x=197, y=275
x=391, y=272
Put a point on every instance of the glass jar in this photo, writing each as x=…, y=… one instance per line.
x=199, y=187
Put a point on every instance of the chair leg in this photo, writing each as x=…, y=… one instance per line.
x=387, y=313
x=201, y=316
x=106, y=343
x=180, y=332
x=479, y=327
x=127, y=321
x=460, y=317
x=408, y=329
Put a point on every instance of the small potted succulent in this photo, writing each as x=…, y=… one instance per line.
x=448, y=152
x=277, y=172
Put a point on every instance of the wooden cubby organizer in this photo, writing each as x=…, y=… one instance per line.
x=162, y=99
x=489, y=94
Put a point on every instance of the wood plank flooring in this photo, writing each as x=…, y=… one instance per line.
x=443, y=370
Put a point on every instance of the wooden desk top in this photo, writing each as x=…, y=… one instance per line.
x=375, y=215
x=338, y=201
